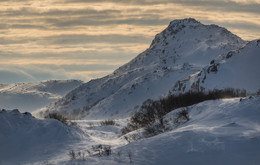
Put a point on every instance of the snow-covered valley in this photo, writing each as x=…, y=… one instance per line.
x=225, y=131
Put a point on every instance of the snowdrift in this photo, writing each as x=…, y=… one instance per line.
x=25, y=139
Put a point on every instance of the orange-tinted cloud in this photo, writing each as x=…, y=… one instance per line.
x=58, y=33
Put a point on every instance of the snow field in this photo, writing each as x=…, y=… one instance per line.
x=225, y=131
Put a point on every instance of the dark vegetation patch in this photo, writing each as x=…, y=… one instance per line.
x=58, y=116
x=153, y=111
x=107, y=122
x=102, y=149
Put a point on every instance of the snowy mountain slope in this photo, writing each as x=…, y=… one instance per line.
x=25, y=139
x=219, y=132
x=32, y=96
x=224, y=131
x=183, y=48
x=237, y=69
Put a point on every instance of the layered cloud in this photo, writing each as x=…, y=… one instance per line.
x=85, y=39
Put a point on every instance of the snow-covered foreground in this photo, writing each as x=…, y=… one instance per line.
x=225, y=132
x=25, y=139
x=219, y=132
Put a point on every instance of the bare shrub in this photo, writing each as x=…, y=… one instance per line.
x=79, y=155
x=72, y=155
x=106, y=150
x=132, y=137
x=154, y=129
x=97, y=148
x=182, y=116
x=127, y=139
x=102, y=149
x=129, y=128
x=107, y=122
x=57, y=116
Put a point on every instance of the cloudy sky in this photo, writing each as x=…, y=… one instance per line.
x=86, y=39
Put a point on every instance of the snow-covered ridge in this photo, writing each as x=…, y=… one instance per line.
x=32, y=96
x=182, y=49
x=25, y=139
x=235, y=69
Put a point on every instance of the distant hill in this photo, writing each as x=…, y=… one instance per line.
x=32, y=96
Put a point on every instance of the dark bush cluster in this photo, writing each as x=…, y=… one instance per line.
x=79, y=155
x=99, y=150
x=154, y=129
x=132, y=137
x=60, y=117
x=57, y=116
x=154, y=110
x=182, y=116
x=107, y=122
x=102, y=149
x=72, y=154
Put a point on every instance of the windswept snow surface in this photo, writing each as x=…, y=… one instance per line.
x=225, y=132
x=183, y=48
x=32, y=96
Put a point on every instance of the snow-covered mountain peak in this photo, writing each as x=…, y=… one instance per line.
x=173, y=28
x=177, y=25
x=186, y=21
x=182, y=49
x=184, y=41
x=188, y=30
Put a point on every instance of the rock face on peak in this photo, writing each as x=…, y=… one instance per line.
x=237, y=69
x=183, y=48
x=186, y=41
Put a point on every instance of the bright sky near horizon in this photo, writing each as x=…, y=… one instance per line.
x=86, y=39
